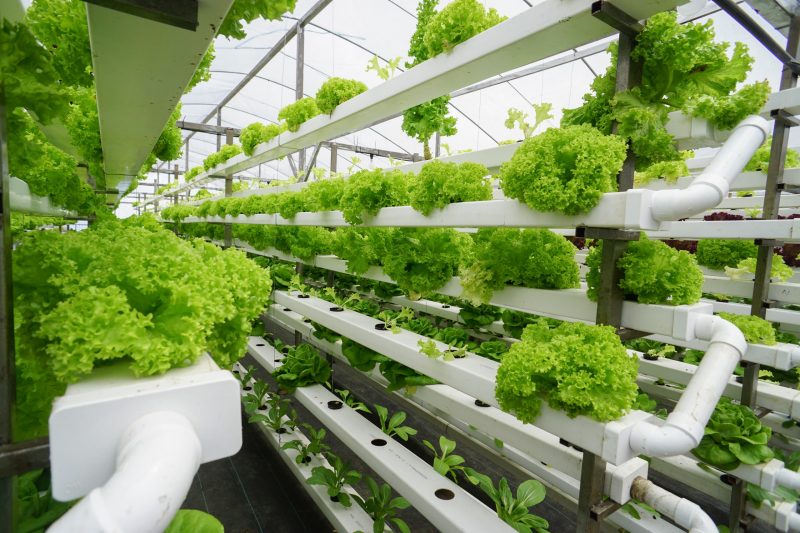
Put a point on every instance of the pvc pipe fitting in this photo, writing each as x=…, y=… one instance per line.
x=685, y=513
x=685, y=425
x=788, y=479
x=709, y=189
x=157, y=459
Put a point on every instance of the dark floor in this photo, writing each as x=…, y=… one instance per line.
x=254, y=491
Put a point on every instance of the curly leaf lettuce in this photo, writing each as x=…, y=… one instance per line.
x=579, y=368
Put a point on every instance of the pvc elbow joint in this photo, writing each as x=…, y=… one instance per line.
x=716, y=329
x=709, y=189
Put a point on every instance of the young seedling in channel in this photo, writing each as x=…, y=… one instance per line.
x=391, y=426
x=335, y=479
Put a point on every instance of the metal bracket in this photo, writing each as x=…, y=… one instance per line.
x=768, y=242
x=626, y=334
x=604, y=509
x=785, y=118
x=21, y=457
x=616, y=18
x=585, y=232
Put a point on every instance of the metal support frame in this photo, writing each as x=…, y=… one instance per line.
x=219, y=125
x=300, y=64
x=311, y=162
x=739, y=519
x=400, y=156
x=228, y=228
x=206, y=128
x=334, y=148
x=592, y=509
x=784, y=55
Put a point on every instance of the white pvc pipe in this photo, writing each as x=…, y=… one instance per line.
x=157, y=459
x=685, y=513
x=711, y=187
x=683, y=429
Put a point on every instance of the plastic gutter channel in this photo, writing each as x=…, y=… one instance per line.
x=641, y=317
x=688, y=471
x=473, y=375
x=452, y=404
x=493, y=157
x=141, y=68
x=409, y=475
x=629, y=209
x=440, y=400
x=343, y=518
x=567, y=304
x=657, y=388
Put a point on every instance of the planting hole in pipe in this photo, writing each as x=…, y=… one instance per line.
x=378, y=442
x=481, y=404
x=281, y=431
x=728, y=479
x=306, y=459
x=445, y=306
x=336, y=309
x=259, y=344
x=650, y=357
x=285, y=349
x=380, y=327
x=248, y=388
x=444, y=494
x=334, y=404
x=287, y=309
x=303, y=296
x=458, y=353
x=307, y=320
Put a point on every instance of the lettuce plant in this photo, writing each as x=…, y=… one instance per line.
x=734, y=436
x=382, y=508
x=422, y=260
x=256, y=133
x=652, y=272
x=536, y=258
x=367, y=191
x=117, y=291
x=684, y=69
x=439, y=184
x=565, y=170
x=720, y=253
x=224, y=153
x=760, y=160
x=392, y=426
x=301, y=367
x=298, y=112
x=579, y=368
x=746, y=269
x=335, y=91
x=335, y=479
x=755, y=329
x=457, y=22
x=246, y=11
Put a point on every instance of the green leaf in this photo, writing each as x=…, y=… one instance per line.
x=193, y=521
x=530, y=493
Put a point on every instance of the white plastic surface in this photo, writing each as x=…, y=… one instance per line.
x=87, y=423
x=158, y=456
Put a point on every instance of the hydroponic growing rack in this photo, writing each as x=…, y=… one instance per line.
x=600, y=469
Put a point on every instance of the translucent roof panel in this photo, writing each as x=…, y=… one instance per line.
x=341, y=40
